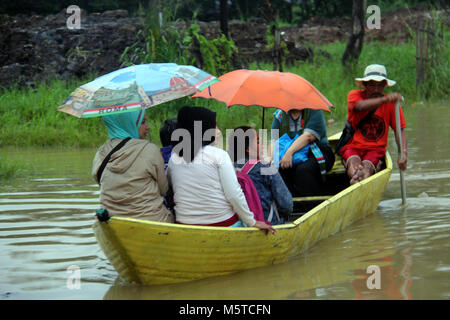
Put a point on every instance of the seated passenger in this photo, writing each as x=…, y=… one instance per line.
x=165, y=133
x=371, y=112
x=204, y=182
x=133, y=181
x=305, y=178
x=276, y=199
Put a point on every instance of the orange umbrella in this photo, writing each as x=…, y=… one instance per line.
x=282, y=90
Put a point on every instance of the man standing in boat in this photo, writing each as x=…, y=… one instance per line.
x=370, y=113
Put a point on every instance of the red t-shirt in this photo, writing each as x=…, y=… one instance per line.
x=374, y=133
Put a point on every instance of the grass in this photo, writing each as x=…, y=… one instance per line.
x=29, y=117
x=10, y=169
x=335, y=81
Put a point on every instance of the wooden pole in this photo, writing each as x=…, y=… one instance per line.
x=263, y=114
x=400, y=150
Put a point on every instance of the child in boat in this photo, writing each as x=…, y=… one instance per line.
x=204, y=182
x=363, y=154
x=133, y=181
x=305, y=178
x=276, y=199
x=165, y=134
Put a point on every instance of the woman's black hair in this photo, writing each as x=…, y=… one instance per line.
x=187, y=119
x=165, y=133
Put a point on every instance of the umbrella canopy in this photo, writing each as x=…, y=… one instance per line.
x=134, y=87
x=270, y=89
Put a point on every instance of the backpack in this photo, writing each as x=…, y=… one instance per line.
x=249, y=190
x=347, y=134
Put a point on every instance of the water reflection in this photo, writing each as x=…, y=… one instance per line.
x=46, y=226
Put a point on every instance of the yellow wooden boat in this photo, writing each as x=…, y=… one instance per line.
x=151, y=253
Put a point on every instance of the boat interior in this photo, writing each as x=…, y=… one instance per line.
x=336, y=180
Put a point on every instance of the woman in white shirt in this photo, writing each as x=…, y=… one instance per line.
x=204, y=182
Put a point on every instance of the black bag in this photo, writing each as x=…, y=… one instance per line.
x=106, y=160
x=346, y=135
x=348, y=131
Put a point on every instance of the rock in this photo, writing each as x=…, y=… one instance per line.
x=35, y=48
x=115, y=14
x=12, y=71
x=297, y=52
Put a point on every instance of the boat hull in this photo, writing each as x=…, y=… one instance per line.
x=149, y=252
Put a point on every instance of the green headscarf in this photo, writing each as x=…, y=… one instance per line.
x=124, y=125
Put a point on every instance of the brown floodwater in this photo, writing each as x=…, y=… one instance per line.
x=46, y=236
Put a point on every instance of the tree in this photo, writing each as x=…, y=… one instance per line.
x=355, y=43
x=224, y=17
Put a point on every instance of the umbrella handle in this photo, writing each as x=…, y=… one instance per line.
x=263, y=116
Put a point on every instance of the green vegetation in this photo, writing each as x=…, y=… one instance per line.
x=436, y=77
x=158, y=41
x=29, y=116
x=10, y=169
x=216, y=54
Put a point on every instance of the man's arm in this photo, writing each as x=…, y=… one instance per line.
x=305, y=139
x=373, y=103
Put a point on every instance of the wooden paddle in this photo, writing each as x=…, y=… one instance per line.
x=400, y=148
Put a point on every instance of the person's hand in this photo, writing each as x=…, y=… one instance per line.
x=286, y=161
x=402, y=162
x=264, y=226
x=392, y=97
x=267, y=159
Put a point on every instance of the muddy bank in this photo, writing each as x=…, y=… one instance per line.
x=35, y=48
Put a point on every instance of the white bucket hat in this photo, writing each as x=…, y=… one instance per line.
x=374, y=72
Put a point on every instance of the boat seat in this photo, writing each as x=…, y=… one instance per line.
x=338, y=167
x=304, y=204
x=314, y=198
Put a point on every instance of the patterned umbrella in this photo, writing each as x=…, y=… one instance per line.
x=135, y=87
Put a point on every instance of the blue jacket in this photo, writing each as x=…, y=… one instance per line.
x=271, y=188
x=166, y=152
